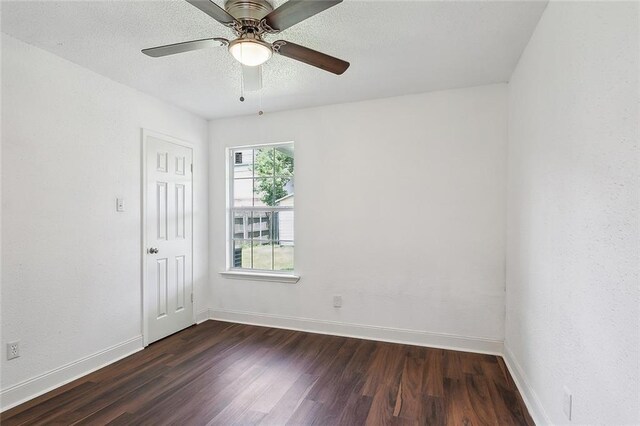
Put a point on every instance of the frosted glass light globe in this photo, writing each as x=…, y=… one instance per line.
x=250, y=52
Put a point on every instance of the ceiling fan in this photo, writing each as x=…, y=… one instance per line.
x=251, y=20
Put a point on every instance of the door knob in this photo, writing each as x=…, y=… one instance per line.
x=153, y=250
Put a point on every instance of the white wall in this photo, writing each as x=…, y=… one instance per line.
x=71, y=264
x=573, y=297
x=400, y=208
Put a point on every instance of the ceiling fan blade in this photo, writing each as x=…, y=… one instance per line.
x=215, y=11
x=172, y=49
x=311, y=57
x=252, y=78
x=294, y=11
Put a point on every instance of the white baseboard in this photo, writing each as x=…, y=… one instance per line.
x=528, y=394
x=36, y=386
x=202, y=316
x=384, y=334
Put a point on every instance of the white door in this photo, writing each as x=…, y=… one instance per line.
x=168, y=284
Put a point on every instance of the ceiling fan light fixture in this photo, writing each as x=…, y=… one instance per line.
x=250, y=52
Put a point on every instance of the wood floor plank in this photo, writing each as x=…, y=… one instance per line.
x=433, y=412
x=409, y=402
x=221, y=373
x=356, y=410
x=306, y=413
x=433, y=380
x=290, y=401
x=478, y=395
x=385, y=369
x=458, y=406
x=382, y=406
x=326, y=387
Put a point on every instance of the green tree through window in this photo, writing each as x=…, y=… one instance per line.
x=272, y=163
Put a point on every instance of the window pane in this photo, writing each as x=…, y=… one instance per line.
x=283, y=158
x=284, y=183
x=262, y=225
x=264, y=193
x=283, y=191
x=242, y=163
x=241, y=254
x=263, y=162
x=242, y=225
x=262, y=255
x=243, y=192
x=283, y=255
x=283, y=225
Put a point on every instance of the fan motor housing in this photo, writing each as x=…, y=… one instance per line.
x=248, y=10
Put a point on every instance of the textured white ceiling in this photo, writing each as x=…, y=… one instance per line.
x=395, y=48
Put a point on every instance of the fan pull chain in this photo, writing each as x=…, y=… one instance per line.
x=241, y=87
x=241, y=79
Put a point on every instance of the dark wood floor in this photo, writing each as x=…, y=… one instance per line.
x=222, y=373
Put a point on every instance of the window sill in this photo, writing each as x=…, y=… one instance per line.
x=261, y=276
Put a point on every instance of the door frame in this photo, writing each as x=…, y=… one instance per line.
x=143, y=221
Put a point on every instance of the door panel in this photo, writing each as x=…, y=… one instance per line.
x=180, y=211
x=168, y=283
x=163, y=288
x=180, y=283
x=161, y=198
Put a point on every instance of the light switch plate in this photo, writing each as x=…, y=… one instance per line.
x=119, y=204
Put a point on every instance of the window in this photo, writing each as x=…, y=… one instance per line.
x=261, y=198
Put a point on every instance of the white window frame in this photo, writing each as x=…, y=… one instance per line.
x=245, y=273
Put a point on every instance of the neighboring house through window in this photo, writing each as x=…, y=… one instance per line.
x=261, y=201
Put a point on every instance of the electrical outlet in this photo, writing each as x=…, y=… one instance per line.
x=567, y=402
x=13, y=350
x=337, y=301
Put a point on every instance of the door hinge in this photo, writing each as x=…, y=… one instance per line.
x=192, y=168
x=191, y=297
